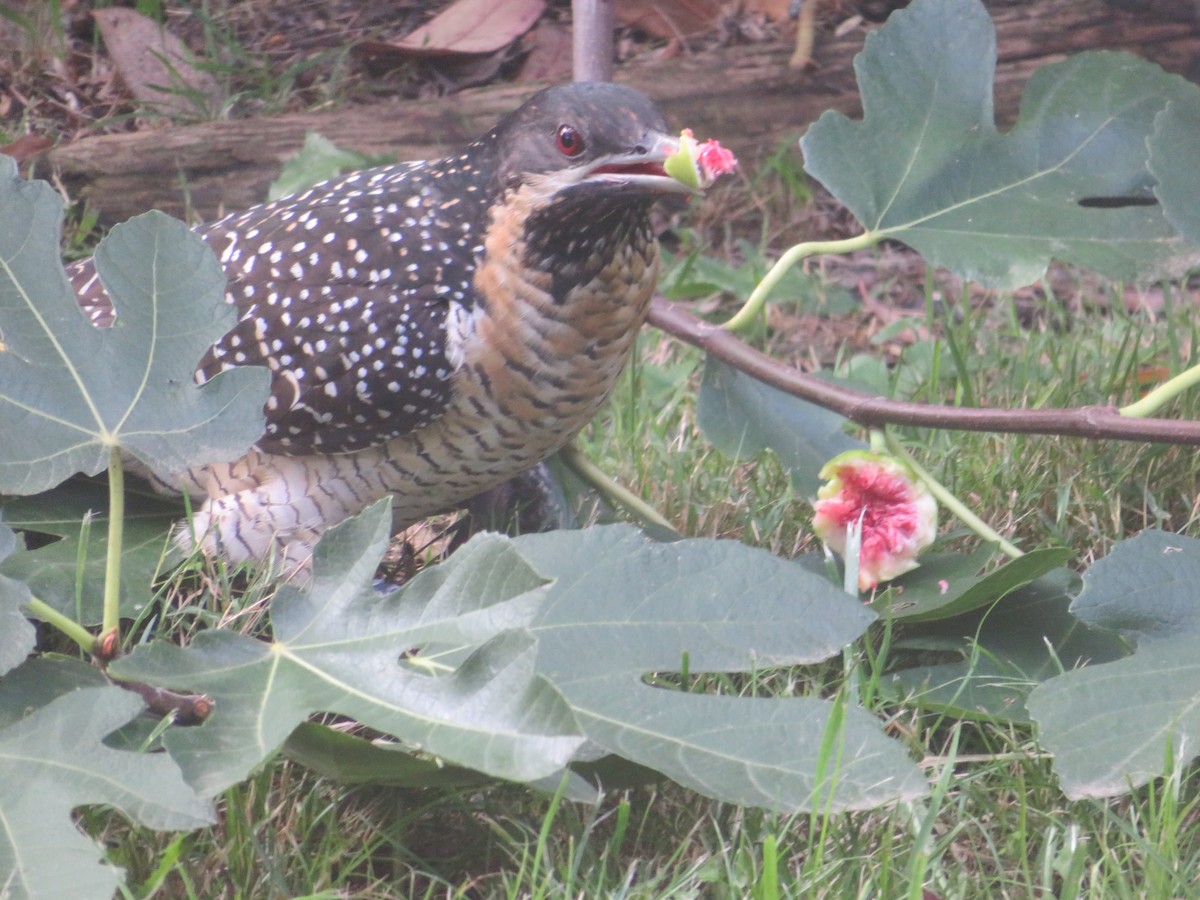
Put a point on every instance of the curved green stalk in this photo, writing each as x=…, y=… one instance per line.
x=1163, y=394
x=43, y=611
x=617, y=493
x=952, y=503
x=116, y=535
x=758, y=297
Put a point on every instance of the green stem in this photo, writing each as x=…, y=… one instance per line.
x=68, y=626
x=758, y=297
x=952, y=503
x=594, y=476
x=116, y=535
x=1163, y=394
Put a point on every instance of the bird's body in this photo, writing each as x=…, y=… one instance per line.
x=432, y=328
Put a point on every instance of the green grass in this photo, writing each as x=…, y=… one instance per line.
x=994, y=828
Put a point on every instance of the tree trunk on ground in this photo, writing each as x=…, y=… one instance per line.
x=743, y=95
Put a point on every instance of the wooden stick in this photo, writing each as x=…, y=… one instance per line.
x=1096, y=422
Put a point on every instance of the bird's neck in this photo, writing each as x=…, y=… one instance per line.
x=591, y=273
x=548, y=359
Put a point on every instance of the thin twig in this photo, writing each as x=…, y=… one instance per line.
x=44, y=612
x=110, y=627
x=950, y=502
x=187, y=709
x=616, y=493
x=873, y=411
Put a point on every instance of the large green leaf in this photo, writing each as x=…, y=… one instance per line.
x=742, y=416
x=52, y=761
x=16, y=632
x=41, y=679
x=350, y=759
x=1145, y=588
x=1175, y=160
x=622, y=607
x=949, y=584
x=1001, y=653
x=71, y=392
x=482, y=663
x=927, y=165
x=1112, y=726
x=353, y=759
x=340, y=647
x=52, y=569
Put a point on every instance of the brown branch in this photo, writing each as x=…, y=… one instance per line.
x=873, y=411
x=188, y=709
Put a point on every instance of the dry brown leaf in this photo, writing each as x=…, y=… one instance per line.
x=466, y=27
x=154, y=64
x=669, y=19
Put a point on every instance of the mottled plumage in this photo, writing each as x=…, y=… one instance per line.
x=432, y=328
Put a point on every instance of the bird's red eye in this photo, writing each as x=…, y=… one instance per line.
x=569, y=141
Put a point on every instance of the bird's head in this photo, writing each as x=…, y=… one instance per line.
x=587, y=141
x=582, y=164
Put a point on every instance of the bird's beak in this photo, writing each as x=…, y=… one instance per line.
x=642, y=169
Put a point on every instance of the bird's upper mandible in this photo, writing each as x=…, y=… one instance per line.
x=367, y=295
